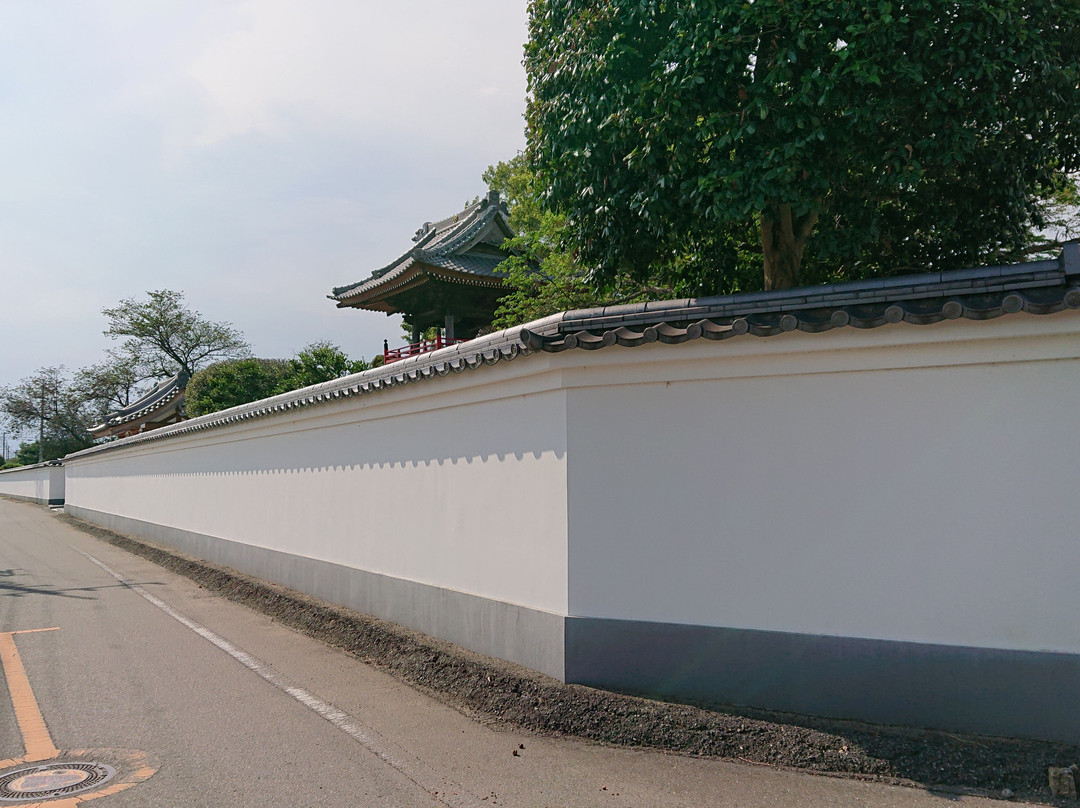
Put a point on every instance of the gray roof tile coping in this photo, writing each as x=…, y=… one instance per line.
x=32, y=466
x=929, y=283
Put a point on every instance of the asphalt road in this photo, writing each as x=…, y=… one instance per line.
x=195, y=701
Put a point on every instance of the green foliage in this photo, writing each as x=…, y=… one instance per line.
x=166, y=337
x=407, y=331
x=859, y=137
x=516, y=183
x=321, y=362
x=544, y=275
x=48, y=403
x=240, y=381
x=1063, y=215
x=234, y=382
x=538, y=292
x=112, y=383
x=27, y=455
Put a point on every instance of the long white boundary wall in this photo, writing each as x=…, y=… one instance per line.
x=42, y=483
x=875, y=524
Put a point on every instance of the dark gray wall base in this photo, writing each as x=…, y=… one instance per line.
x=55, y=502
x=526, y=636
x=977, y=690
x=35, y=500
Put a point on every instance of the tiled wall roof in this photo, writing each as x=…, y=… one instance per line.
x=155, y=399
x=1041, y=287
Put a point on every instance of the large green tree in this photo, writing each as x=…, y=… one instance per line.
x=867, y=136
x=168, y=337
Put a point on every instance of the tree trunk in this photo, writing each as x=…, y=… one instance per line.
x=783, y=240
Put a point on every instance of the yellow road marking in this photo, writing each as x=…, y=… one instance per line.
x=36, y=738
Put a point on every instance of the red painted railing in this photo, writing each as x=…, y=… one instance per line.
x=422, y=347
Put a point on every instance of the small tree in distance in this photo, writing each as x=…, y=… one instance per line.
x=541, y=276
x=167, y=337
x=49, y=405
x=321, y=362
x=233, y=382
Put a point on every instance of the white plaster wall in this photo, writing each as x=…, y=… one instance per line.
x=457, y=483
x=38, y=483
x=793, y=485
x=912, y=483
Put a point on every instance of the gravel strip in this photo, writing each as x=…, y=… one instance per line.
x=495, y=691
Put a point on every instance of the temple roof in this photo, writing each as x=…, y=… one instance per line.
x=159, y=403
x=464, y=248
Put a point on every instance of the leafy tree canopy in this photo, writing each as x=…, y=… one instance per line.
x=545, y=276
x=48, y=403
x=321, y=362
x=27, y=455
x=167, y=337
x=233, y=382
x=858, y=136
x=112, y=383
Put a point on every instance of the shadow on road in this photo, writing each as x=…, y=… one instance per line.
x=14, y=590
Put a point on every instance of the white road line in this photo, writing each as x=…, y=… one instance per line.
x=443, y=789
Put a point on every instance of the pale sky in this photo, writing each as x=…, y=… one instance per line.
x=250, y=153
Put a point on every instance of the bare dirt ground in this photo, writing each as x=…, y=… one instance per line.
x=494, y=691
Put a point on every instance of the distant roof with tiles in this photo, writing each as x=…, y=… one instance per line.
x=464, y=248
x=158, y=406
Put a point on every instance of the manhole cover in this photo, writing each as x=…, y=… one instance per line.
x=52, y=780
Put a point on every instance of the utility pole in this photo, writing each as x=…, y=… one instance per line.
x=41, y=427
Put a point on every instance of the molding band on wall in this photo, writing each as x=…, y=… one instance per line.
x=977, y=690
x=526, y=636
